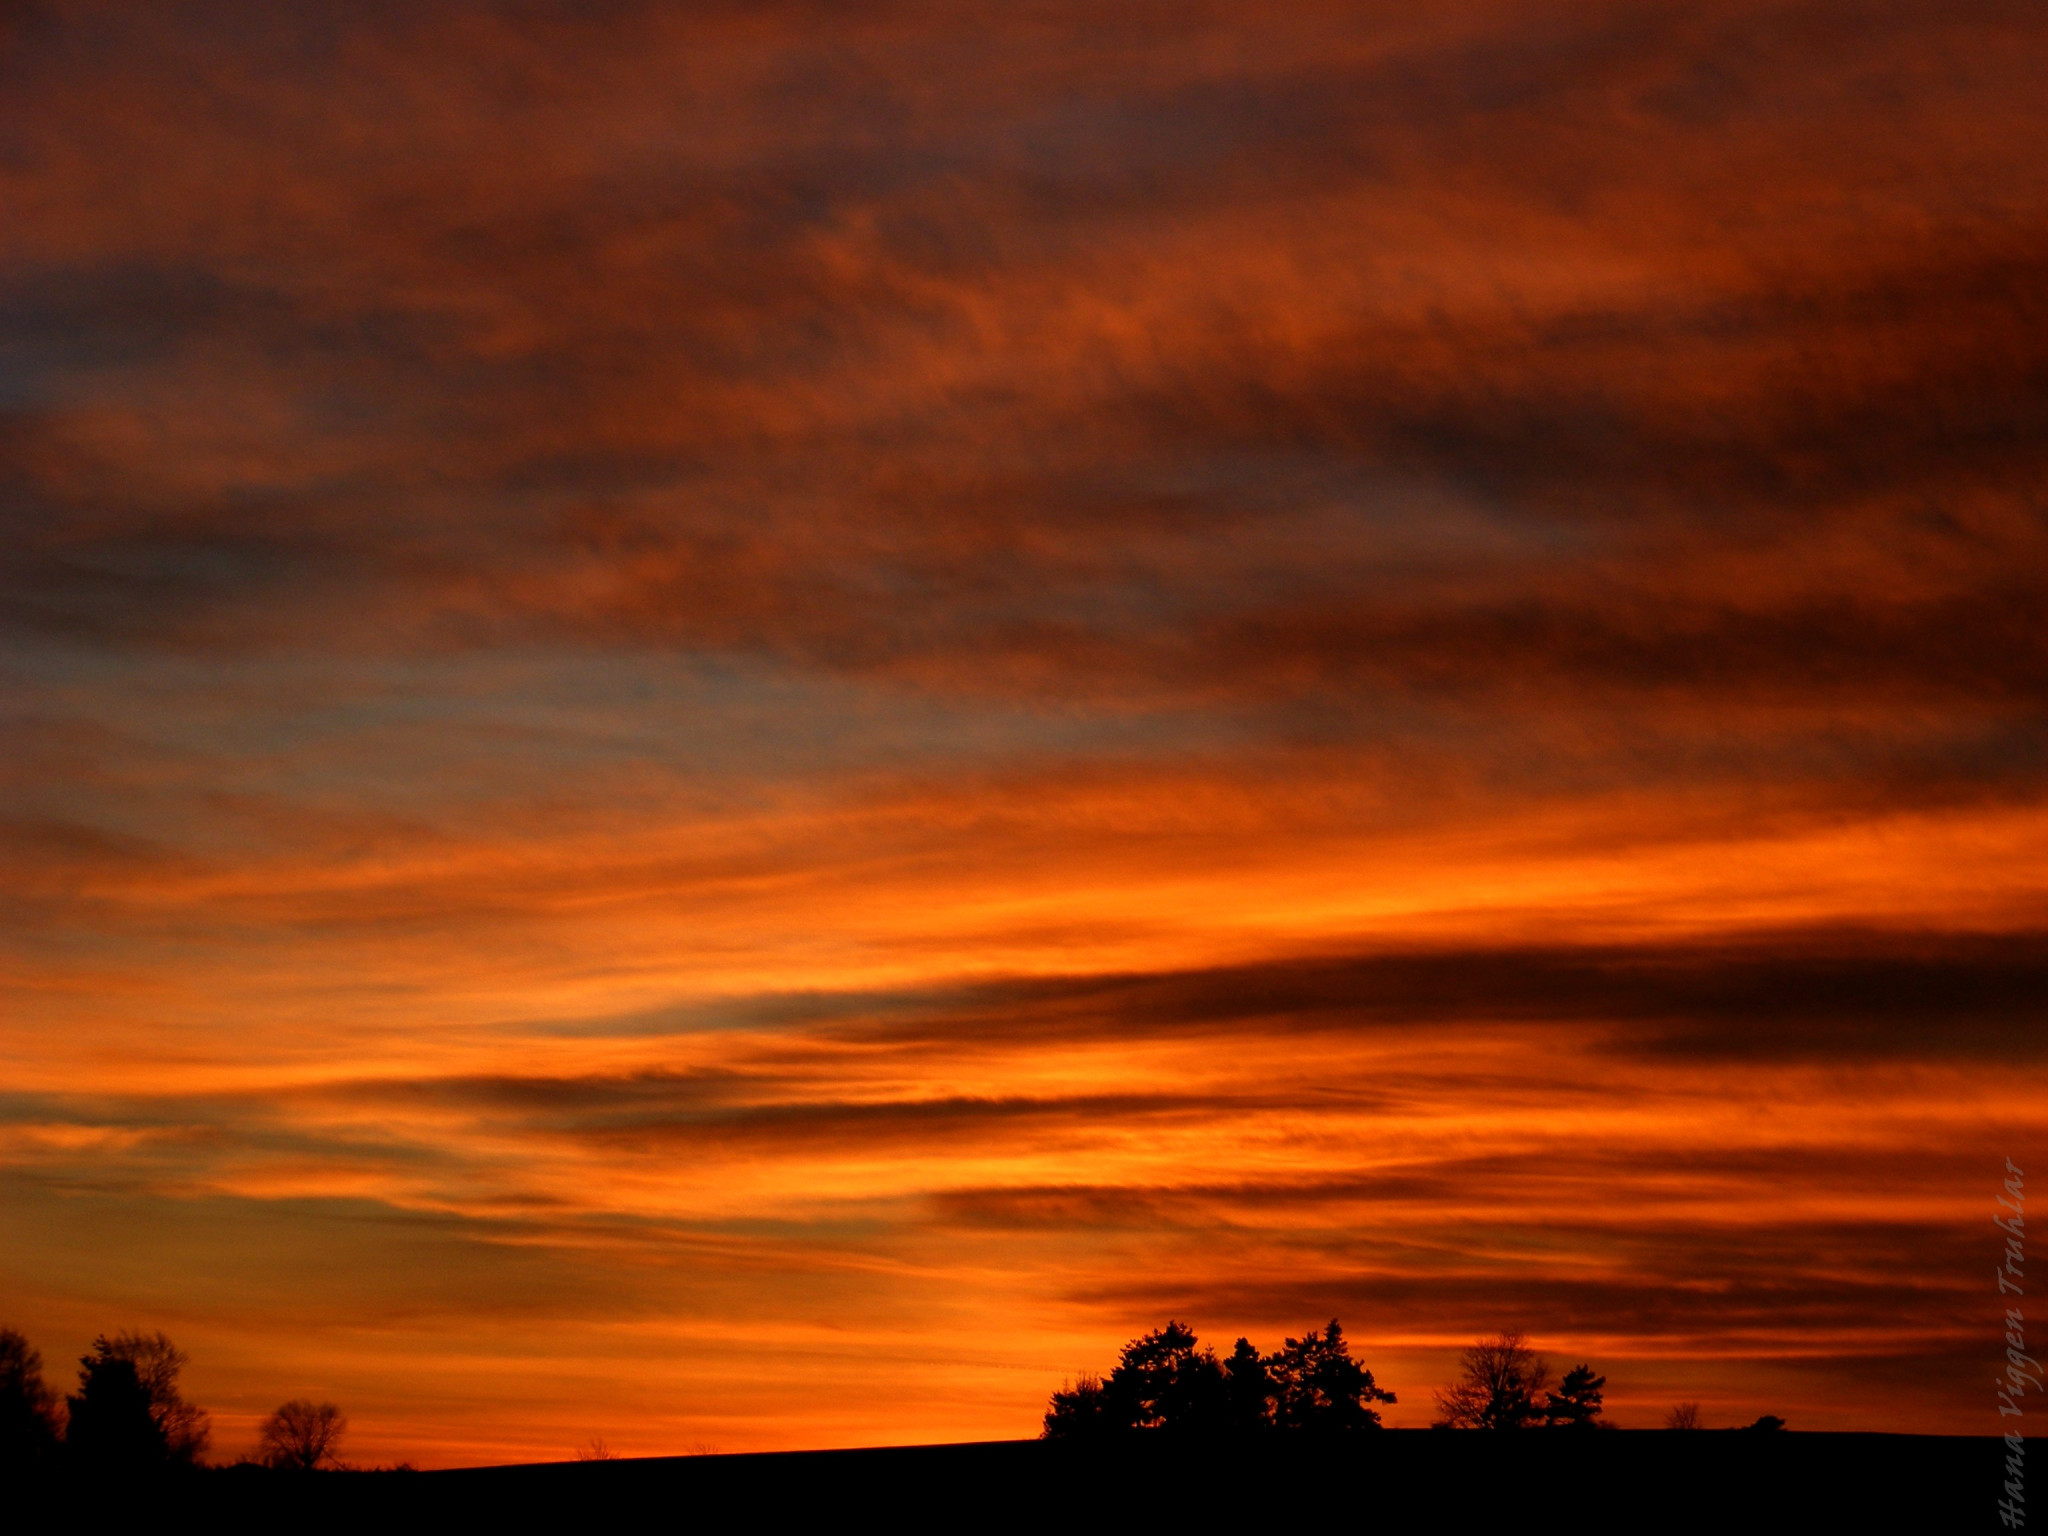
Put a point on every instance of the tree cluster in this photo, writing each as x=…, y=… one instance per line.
x=1504, y=1384
x=127, y=1415
x=1687, y=1416
x=128, y=1418
x=1167, y=1380
x=127, y=1412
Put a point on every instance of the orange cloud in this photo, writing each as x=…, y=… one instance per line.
x=748, y=726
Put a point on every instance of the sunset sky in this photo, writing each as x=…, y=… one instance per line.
x=747, y=725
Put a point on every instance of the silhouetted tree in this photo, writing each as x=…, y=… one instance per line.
x=1318, y=1386
x=1767, y=1423
x=1079, y=1412
x=111, y=1428
x=1500, y=1381
x=1248, y=1391
x=301, y=1436
x=1576, y=1402
x=28, y=1408
x=1166, y=1380
x=121, y=1372
x=1684, y=1416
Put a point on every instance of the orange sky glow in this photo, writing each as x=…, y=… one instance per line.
x=746, y=726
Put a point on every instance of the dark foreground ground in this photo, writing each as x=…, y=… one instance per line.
x=1421, y=1480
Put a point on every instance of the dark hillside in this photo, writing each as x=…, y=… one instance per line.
x=1417, y=1479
